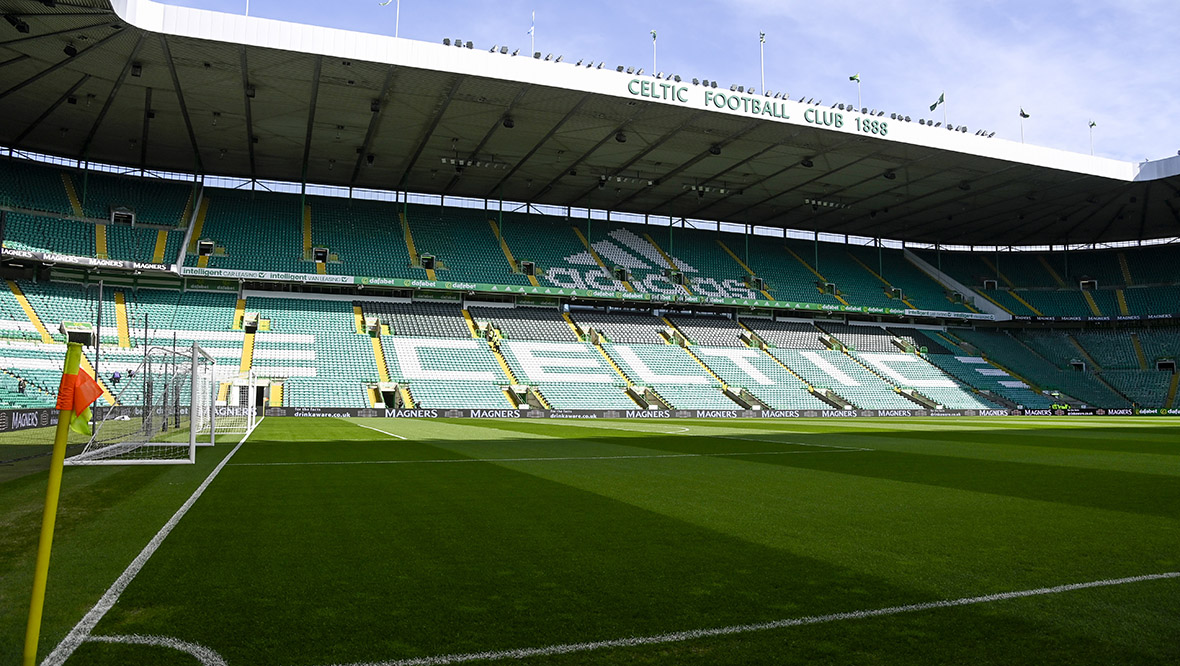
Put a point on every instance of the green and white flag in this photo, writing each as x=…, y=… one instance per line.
x=855, y=77
x=1093, y=124
x=761, y=37
x=1022, y=113
x=941, y=100
x=653, y=35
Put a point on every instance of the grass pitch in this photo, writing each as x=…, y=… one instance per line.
x=324, y=542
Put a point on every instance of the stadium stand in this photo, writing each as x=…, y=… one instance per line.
x=366, y=236
x=33, y=186
x=672, y=373
x=525, y=323
x=419, y=319
x=790, y=334
x=757, y=372
x=841, y=373
x=462, y=243
x=860, y=338
x=619, y=327
x=709, y=331
x=260, y=231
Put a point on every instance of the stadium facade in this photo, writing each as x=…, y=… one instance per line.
x=383, y=226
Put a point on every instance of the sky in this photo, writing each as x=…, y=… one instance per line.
x=1066, y=63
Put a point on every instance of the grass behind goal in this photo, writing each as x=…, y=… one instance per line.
x=322, y=542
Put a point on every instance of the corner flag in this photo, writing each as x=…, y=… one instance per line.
x=75, y=394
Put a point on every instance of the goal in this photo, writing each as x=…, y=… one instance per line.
x=237, y=400
x=163, y=411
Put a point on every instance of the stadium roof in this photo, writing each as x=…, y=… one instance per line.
x=179, y=89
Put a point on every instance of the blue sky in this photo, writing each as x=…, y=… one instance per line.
x=1065, y=62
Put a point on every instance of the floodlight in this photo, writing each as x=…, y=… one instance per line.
x=70, y=50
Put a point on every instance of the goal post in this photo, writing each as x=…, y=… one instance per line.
x=163, y=411
x=236, y=400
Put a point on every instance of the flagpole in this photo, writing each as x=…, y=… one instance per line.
x=397, y=19
x=1021, y=129
x=762, y=60
x=1091, y=137
x=49, y=517
x=858, y=91
x=533, y=34
x=654, y=69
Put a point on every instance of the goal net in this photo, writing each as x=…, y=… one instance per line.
x=237, y=400
x=163, y=411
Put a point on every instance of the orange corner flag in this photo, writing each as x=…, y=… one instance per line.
x=75, y=394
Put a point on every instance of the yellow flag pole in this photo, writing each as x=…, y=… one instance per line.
x=41, y=574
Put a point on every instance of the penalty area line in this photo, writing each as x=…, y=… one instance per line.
x=682, y=636
x=361, y=425
x=439, y=461
x=81, y=631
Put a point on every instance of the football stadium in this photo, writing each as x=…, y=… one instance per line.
x=423, y=353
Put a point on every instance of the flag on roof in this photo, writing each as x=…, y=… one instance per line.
x=855, y=77
x=1022, y=113
x=1093, y=124
x=941, y=100
x=653, y=35
x=761, y=37
x=533, y=26
x=75, y=394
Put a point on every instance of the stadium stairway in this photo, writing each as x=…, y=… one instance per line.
x=30, y=313
x=914, y=396
x=743, y=266
x=1082, y=350
x=508, y=252
x=1140, y=356
x=1092, y=304
x=247, y=353
x=1171, y=400
x=1052, y=271
x=121, y=320
x=598, y=259
x=875, y=274
x=814, y=272
x=412, y=249
x=1125, y=269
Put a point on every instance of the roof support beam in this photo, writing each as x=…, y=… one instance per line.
x=775, y=195
x=494, y=192
x=643, y=153
x=52, y=107
x=188, y=122
x=749, y=127
x=311, y=104
x=488, y=135
x=147, y=120
x=55, y=33
x=249, y=115
x=1143, y=215
x=607, y=137
x=721, y=174
x=374, y=120
x=13, y=61
x=438, y=116
x=61, y=63
x=111, y=97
